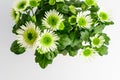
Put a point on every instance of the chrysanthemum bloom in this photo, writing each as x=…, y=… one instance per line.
x=52, y=19
x=21, y=5
x=84, y=20
x=34, y=3
x=97, y=41
x=47, y=41
x=28, y=35
x=103, y=16
x=15, y=15
x=88, y=53
x=72, y=20
x=90, y=2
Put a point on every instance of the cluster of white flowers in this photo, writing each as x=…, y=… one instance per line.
x=31, y=36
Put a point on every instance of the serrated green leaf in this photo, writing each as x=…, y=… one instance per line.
x=16, y=48
x=63, y=8
x=72, y=53
x=51, y=55
x=65, y=40
x=99, y=29
x=107, y=39
x=102, y=50
x=94, y=8
x=42, y=60
x=84, y=35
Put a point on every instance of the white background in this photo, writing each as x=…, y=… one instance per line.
x=23, y=67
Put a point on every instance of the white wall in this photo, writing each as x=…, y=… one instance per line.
x=23, y=67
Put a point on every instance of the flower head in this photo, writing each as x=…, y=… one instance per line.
x=21, y=5
x=83, y=20
x=97, y=41
x=72, y=20
x=28, y=35
x=103, y=16
x=88, y=53
x=48, y=41
x=52, y=19
x=15, y=15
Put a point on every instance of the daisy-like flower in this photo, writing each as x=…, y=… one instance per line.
x=28, y=35
x=20, y=5
x=103, y=16
x=52, y=19
x=83, y=20
x=33, y=3
x=90, y=2
x=97, y=41
x=47, y=41
x=88, y=53
x=15, y=15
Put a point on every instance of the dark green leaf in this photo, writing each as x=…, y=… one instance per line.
x=107, y=39
x=42, y=60
x=51, y=55
x=16, y=48
x=94, y=8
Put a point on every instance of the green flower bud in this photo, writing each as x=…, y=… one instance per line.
x=52, y=2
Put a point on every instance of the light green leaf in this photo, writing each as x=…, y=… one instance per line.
x=84, y=35
x=102, y=50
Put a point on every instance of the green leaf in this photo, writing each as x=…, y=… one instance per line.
x=72, y=51
x=109, y=23
x=94, y=8
x=102, y=50
x=63, y=8
x=16, y=48
x=84, y=35
x=99, y=29
x=107, y=39
x=65, y=40
x=51, y=55
x=42, y=60
x=84, y=6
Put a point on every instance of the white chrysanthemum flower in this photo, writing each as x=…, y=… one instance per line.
x=83, y=20
x=88, y=53
x=48, y=41
x=97, y=41
x=15, y=15
x=28, y=35
x=20, y=5
x=103, y=16
x=52, y=19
